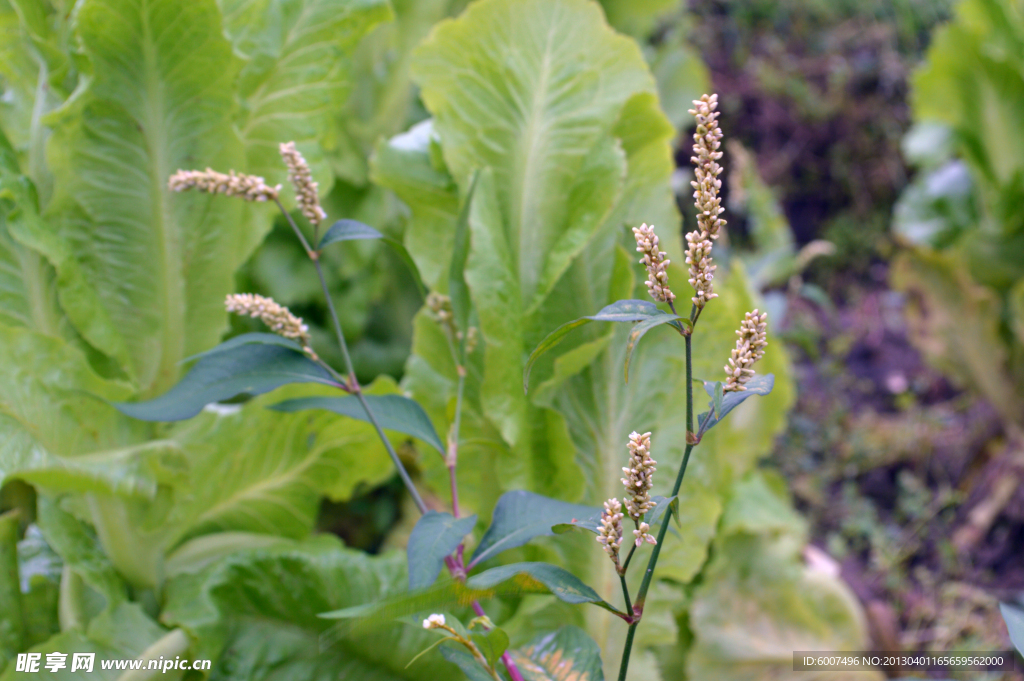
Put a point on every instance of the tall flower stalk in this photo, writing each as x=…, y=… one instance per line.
x=281, y=321
x=749, y=348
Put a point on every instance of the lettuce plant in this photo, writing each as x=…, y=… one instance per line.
x=259, y=363
x=545, y=140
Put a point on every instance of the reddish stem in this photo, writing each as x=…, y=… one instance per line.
x=455, y=492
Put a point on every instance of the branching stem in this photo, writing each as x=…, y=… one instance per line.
x=641, y=594
x=353, y=382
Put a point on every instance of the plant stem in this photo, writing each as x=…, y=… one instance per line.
x=354, y=386
x=625, y=592
x=455, y=566
x=513, y=670
x=641, y=594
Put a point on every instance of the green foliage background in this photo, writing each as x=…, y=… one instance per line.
x=196, y=538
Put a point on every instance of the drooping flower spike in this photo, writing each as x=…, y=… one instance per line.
x=248, y=187
x=278, y=317
x=655, y=262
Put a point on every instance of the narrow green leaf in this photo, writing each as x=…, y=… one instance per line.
x=1014, y=616
x=427, y=650
x=516, y=579
x=591, y=524
x=761, y=384
x=492, y=644
x=348, y=230
x=457, y=654
x=718, y=397
x=393, y=412
x=661, y=504
x=409, y=262
x=520, y=516
x=619, y=311
x=550, y=341
x=561, y=655
x=248, y=339
x=638, y=331
x=250, y=369
x=435, y=536
x=531, y=577
x=457, y=289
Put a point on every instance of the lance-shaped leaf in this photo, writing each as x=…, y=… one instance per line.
x=351, y=230
x=435, y=536
x=619, y=311
x=564, y=654
x=662, y=504
x=521, y=516
x=348, y=230
x=393, y=412
x=638, y=331
x=516, y=579
x=251, y=368
x=721, y=406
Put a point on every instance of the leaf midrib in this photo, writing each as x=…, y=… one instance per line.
x=535, y=133
x=172, y=304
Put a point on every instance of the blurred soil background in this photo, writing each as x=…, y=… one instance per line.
x=911, y=485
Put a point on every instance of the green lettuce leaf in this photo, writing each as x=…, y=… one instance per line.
x=256, y=612
x=296, y=75
x=143, y=272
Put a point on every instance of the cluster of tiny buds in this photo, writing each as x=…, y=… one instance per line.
x=434, y=622
x=278, y=317
x=471, y=339
x=643, y=534
x=441, y=306
x=706, y=142
x=302, y=180
x=750, y=345
x=655, y=262
x=639, y=476
x=248, y=187
x=610, y=534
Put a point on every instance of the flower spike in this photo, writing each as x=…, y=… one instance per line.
x=749, y=348
x=248, y=187
x=278, y=317
x=706, y=142
x=655, y=262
